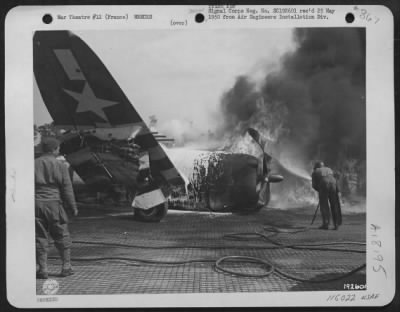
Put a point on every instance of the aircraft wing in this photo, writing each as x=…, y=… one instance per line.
x=80, y=93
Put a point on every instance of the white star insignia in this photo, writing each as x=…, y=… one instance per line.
x=88, y=102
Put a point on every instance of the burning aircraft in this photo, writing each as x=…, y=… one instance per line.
x=106, y=141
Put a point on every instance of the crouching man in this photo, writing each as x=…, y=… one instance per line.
x=53, y=190
x=324, y=182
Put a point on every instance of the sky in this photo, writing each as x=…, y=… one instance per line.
x=181, y=75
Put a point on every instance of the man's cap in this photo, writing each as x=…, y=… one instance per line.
x=49, y=144
x=318, y=164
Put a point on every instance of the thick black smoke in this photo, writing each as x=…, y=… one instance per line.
x=317, y=97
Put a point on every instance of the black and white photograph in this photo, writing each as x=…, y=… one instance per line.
x=180, y=160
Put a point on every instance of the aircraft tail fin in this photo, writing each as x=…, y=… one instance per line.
x=76, y=87
x=80, y=93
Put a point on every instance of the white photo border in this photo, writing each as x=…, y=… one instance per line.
x=20, y=24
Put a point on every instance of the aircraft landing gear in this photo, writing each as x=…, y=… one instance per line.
x=154, y=214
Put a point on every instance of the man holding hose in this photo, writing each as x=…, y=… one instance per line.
x=325, y=184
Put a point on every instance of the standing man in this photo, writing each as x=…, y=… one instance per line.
x=53, y=191
x=325, y=184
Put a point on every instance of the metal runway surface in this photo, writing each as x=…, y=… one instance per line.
x=113, y=254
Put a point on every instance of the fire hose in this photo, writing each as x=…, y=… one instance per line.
x=271, y=269
x=315, y=215
x=269, y=266
x=218, y=263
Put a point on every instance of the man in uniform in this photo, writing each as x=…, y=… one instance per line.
x=53, y=191
x=324, y=182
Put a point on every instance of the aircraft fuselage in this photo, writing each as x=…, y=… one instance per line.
x=220, y=181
